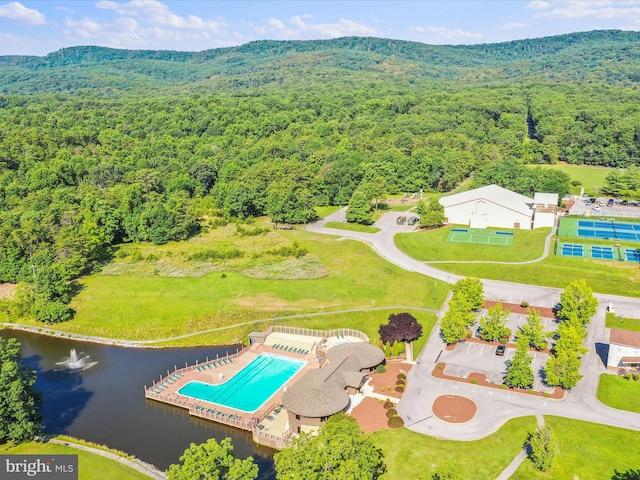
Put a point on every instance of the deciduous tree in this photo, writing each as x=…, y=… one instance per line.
x=494, y=324
x=339, y=451
x=519, y=372
x=212, y=460
x=543, y=448
x=532, y=333
x=471, y=289
x=578, y=300
x=20, y=402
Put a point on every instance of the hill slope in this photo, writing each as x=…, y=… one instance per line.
x=608, y=56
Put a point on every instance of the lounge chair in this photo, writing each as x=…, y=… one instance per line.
x=230, y=360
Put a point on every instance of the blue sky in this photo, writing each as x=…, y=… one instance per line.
x=40, y=27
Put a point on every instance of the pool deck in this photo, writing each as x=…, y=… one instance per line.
x=269, y=423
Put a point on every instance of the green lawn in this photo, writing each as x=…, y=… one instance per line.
x=618, y=392
x=412, y=455
x=591, y=178
x=432, y=245
x=322, y=212
x=145, y=307
x=622, y=323
x=90, y=465
x=352, y=227
x=588, y=451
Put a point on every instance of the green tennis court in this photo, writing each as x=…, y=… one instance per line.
x=481, y=236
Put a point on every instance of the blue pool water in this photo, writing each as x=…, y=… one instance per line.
x=252, y=386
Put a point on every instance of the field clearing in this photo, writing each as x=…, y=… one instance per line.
x=618, y=392
x=624, y=323
x=407, y=452
x=432, y=245
x=140, y=308
x=588, y=451
x=592, y=179
x=90, y=465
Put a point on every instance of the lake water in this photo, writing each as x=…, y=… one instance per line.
x=106, y=404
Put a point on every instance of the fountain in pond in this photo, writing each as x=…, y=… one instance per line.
x=76, y=361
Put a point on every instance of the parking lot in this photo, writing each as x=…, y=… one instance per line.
x=472, y=357
x=600, y=208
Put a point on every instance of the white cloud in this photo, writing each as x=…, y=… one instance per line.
x=301, y=27
x=446, y=33
x=156, y=14
x=538, y=5
x=598, y=9
x=21, y=14
x=513, y=26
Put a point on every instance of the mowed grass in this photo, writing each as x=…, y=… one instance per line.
x=591, y=178
x=618, y=392
x=432, y=245
x=159, y=307
x=588, y=451
x=408, y=454
x=90, y=465
x=352, y=227
x=632, y=324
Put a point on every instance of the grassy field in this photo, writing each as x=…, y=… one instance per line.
x=591, y=178
x=618, y=392
x=352, y=227
x=554, y=271
x=412, y=455
x=588, y=451
x=322, y=212
x=623, y=323
x=432, y=245
x=90, y=465
x=149, y=307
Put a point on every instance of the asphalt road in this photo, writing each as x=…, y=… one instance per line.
x=495, y=406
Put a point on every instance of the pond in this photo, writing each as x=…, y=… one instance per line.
x=105, y=403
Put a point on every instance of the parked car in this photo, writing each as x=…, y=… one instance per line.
x=556, y=308
x=596, y=208
x=500, y=349
x=610, y=202
x=624, y=202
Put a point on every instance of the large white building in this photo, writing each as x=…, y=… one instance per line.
x=624, y=349
x=494, y=206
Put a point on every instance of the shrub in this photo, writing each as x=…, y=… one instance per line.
x=391, y=412
x=524, y=304
x=439, y=366
x=216, y=254
x=399, y=389
x=400, y=382
x=628, y=376
x=381, y=369
x=251, y=232
x=217, y=222
x=402, y=376
x=395, y=422
x=388, y=404
x=224, y=275
x=474, y=381
x=636, y=377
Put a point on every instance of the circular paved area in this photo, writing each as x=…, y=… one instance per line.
x=454, y=408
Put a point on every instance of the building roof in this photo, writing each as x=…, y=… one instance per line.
x=630, y=360
x=550, y=199
x=321, y=392
x=624, y=337
x=494, y=194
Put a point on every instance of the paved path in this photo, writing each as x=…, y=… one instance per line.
x=515, y=463
x=144, y=468
x=495, y=407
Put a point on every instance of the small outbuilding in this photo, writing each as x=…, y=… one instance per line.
x=624, y=349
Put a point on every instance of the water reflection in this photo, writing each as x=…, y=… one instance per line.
x=106, y=403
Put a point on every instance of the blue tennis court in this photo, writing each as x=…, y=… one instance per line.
x=609, y=230
x=572, y=250
x=602, y=253
x=632, y=254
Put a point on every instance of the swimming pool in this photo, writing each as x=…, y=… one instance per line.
x=251, y=387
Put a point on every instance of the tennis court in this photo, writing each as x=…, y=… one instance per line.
x=481, y=236
x=605, y=229
x=572, y=250
x=602, y=253
x=632, y=254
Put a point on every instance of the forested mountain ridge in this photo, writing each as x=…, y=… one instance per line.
x=607, y=55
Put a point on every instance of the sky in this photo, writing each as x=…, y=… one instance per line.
x=41, y=27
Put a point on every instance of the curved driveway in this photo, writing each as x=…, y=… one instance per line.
x=494, y=406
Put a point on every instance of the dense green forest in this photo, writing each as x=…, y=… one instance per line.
x=101, y=146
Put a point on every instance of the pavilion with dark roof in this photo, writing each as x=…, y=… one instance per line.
x=325, y=391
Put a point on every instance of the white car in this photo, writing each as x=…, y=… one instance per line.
x=595, y=208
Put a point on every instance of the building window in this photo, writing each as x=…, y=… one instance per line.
x=323, y=419
x=297, y=417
